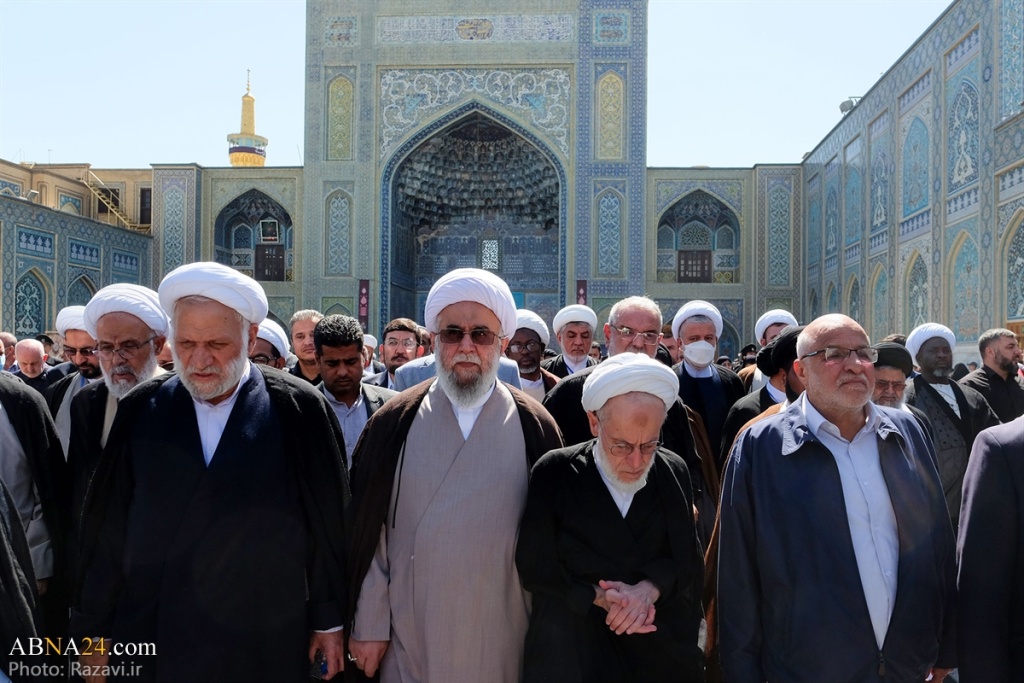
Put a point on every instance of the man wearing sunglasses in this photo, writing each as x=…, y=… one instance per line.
x=80, y=349
x=439, y=482
x=836, y=557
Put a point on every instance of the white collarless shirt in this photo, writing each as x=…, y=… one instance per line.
x=212, y=418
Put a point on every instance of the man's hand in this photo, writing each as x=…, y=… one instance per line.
x=95, y=661
x=332, y=645
x=41, y=586
x=937, y=675
x=367, y=654
x=631, y=608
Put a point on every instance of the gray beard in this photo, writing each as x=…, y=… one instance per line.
x=626, y=488
x=229, y=378
x=119, y=389
x=466, y=395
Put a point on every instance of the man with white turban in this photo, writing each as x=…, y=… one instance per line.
x=271, y=347
x=704, y=385
x=957, y=413
x=215, y=524
x=440, y=475
x=574, y=329
x=79, y=349
x=526, y=348
x=606, y=545
x=767, y=327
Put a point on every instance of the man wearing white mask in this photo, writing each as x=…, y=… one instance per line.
x=705, y=386
x=574, y=329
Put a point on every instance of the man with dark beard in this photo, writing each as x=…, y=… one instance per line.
x=440, y=474
x=218, y=511
x=80, y=349
x=957, y=413
x=997, y=379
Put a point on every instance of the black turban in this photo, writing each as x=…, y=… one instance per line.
x=784, y=351
x=893, y=355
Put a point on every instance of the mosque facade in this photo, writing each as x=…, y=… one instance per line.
x=445, y=135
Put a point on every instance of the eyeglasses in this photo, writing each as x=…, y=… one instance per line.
x=71, y=351
x=896, y=386
x=531, y=346
x=408, y=344
x=480, y=336
x=261, y=359
x=127, y=350
x=628, y=334
x=839, y=354
x=622, y=450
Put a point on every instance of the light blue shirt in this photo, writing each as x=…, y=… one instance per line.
x=869, y=511
x=352, y=421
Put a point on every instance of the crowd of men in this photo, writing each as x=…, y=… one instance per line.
x=457, y=501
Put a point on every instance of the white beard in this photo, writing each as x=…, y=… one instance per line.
x=626, y=488
x=228, y=378
x=466, y=395
x=127, y=378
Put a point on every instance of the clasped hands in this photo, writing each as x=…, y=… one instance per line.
x=630, y=607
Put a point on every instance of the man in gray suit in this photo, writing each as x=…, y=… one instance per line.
x=338, y=340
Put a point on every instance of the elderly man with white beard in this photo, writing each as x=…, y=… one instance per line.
x=216, y=518
x=439, y=483
x=607, y=546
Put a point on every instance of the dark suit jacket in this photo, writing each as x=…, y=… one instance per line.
x=572, y=536
x=558, y=368
x=742, y=412
x=990, y=609
x=88, y=409
x=378, y=380
x=732, y=391
x=790, y=599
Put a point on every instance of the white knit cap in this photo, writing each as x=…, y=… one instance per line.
x=922, y=333
x=272, y=332
x=772, y=317
x=532, y=321
x=696, y=307
x=142, y=302
x=575, y=313
x=70, y=318
x=218, y=282
x=472, y=284
x=628, y=372
x=370, y=340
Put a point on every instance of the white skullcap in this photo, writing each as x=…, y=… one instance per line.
x=70, y=318
x=272, y=332
x=218, y=282
x=772, y=317
x=627, y=372
x=576, y=313
x=370, y=340
x=472, y=284
x=696, y=307
x=532, y=321
x=922, y=333
x=142, y=302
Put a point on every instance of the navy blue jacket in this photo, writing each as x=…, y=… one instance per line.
x=791, y=603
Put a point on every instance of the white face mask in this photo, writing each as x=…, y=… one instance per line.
x=700, y=354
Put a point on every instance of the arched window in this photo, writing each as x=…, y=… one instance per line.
x=29, y=306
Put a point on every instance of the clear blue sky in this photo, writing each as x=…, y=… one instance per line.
x=123, y=84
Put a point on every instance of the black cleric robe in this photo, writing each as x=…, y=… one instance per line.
x=226, y=566
x=558, y=367
x=711, y=397
x=572, y=536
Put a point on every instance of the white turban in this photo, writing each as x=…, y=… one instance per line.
x=922, y=333
x=472, y=284
x=218, y=282
x=772, y=317
x=532, y=321
x=627, y=372
x=142, y=302
x=370, y=340
x=70, y=318
x=272, y=332
x=576, y=313
x=696, y=307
